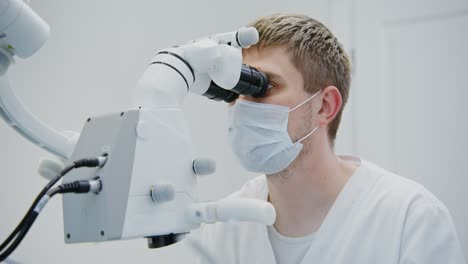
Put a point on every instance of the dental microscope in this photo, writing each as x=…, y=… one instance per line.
x=141, y=179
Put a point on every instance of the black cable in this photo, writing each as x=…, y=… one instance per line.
x=74, y=187
x=53, y=192
x=19, y=232
x=34, y=204
x=24, y=230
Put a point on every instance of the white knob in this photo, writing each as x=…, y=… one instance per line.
x=162, y=193
x=247, y=36
x=49, y=168
x=203, y=166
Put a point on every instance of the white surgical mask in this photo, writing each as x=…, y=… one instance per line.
x=259, y=137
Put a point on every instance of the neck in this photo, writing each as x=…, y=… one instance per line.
x=304, y=193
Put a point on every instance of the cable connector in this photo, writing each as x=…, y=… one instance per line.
x=91, y=162
x=83, y=186
x=102, y=160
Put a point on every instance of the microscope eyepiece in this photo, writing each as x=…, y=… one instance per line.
x=252, y=82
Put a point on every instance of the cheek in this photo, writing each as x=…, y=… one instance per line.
x=279, y=96
x=294, y=125
x=276, y=100
x=299, y=123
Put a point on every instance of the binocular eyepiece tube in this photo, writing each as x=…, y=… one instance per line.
x=251, y=82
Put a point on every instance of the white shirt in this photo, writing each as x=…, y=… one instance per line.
x=289, y=250
x=378, y=217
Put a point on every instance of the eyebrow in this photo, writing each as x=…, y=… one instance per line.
x=273, y=76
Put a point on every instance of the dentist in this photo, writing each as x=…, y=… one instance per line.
x=330, y=208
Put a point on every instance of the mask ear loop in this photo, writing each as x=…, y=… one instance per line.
x=310, y=133
x=301, y=104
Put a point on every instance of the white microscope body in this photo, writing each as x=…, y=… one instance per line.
x=150, y=177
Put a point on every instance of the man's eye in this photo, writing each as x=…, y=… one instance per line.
x=271, y=85
x=271, y=89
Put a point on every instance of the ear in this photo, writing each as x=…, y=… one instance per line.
x=331, y=105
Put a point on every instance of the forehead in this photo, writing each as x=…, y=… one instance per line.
x=275, y=61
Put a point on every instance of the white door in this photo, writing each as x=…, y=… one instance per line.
x=410, y=92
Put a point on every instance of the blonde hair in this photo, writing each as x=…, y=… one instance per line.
x=314, y=50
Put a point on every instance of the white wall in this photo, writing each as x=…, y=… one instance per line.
x=409, y=92
x=95, y=54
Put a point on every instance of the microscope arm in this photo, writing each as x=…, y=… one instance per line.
x=30, y=127
x=23, y=32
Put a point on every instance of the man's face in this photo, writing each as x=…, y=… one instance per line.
x=288, y=86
